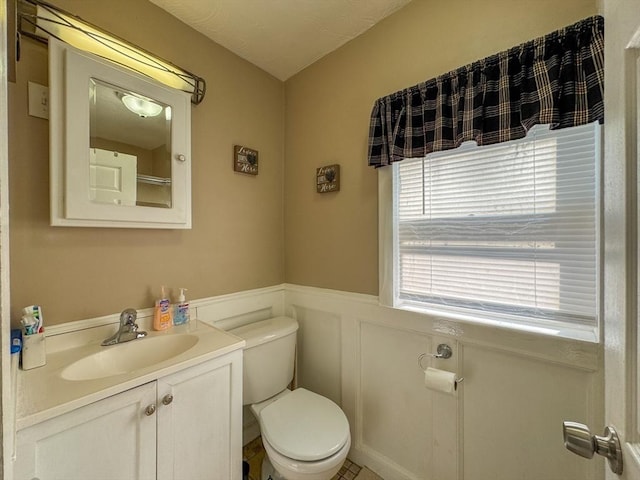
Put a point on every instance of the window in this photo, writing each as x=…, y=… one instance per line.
x=505, y=232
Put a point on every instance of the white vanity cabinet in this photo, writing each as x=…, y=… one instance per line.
x=186, y=425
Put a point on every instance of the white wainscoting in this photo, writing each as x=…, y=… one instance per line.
x=503, y=423
x=237, y=309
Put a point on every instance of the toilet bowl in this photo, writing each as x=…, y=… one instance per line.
x=305, y=435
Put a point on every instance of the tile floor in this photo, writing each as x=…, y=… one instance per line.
x=253, y=452
x=349, y=471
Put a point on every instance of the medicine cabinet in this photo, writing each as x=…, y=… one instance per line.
x=120, y=145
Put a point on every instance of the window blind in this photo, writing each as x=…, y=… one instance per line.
x=507, y=229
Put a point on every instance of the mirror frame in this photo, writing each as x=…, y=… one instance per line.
x=70, y=71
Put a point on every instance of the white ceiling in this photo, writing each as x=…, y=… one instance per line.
x=281, y=36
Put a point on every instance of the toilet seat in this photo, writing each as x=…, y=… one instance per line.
x=298, y=470
x=304, y=426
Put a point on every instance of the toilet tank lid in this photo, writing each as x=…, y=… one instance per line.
x=265, y=330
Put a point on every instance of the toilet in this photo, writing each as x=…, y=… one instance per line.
x=305, y=435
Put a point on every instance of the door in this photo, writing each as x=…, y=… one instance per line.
x=112, y=177
x=621, y=314
x=7, y=405
x=620, y=442
x=114, y=438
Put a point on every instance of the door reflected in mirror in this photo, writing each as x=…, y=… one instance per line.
x=130, y=147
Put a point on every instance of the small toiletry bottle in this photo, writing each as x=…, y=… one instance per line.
x=162, y=315
x=181, y=314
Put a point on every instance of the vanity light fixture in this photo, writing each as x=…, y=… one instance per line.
x=41, y=20
x=141, y=106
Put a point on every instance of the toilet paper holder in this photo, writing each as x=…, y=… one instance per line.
x=443, y=352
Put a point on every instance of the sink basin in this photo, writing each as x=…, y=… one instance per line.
x=128, y=357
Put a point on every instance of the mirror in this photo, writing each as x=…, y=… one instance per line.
x=120, y=145
x=130, y=147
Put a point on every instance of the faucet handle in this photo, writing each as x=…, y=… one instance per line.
x=128, y=317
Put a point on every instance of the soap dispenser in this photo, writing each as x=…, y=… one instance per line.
x=162, y=313
x=181, y=314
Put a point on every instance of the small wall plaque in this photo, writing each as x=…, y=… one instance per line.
x=245, y=160
x=328, y=179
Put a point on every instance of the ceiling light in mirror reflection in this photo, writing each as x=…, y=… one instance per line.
x=125, y=124
x=111, y=119
x=141, y=106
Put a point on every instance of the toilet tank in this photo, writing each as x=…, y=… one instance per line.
x=268, y=357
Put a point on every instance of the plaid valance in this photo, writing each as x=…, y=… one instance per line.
x=557, y=79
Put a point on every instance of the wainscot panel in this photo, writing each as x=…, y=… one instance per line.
x=503, y=422
x=319, y=355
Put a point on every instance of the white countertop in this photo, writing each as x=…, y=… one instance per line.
x=44, y=394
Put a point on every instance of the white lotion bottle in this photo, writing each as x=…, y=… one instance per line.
x=181, y=316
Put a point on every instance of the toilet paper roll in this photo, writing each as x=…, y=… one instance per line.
x=440, y=380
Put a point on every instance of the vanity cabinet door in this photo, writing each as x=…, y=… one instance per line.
x=110, y=439
x=200, y=421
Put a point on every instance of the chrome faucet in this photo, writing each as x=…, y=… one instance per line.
x=128, y=329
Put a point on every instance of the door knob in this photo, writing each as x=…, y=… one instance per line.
x=167, y=399
x=578, y=439
x=150, y=410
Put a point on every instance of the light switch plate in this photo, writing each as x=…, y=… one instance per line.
x=38, y=100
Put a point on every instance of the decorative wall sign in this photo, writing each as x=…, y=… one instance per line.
x=328, y=179
x=245, y=160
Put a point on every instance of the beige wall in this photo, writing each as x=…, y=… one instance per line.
x=331, y=239
x=237, y=238
x=241, y=237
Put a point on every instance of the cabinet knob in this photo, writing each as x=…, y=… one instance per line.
x=181, y=157
x=150, y=410
x=167, y=399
